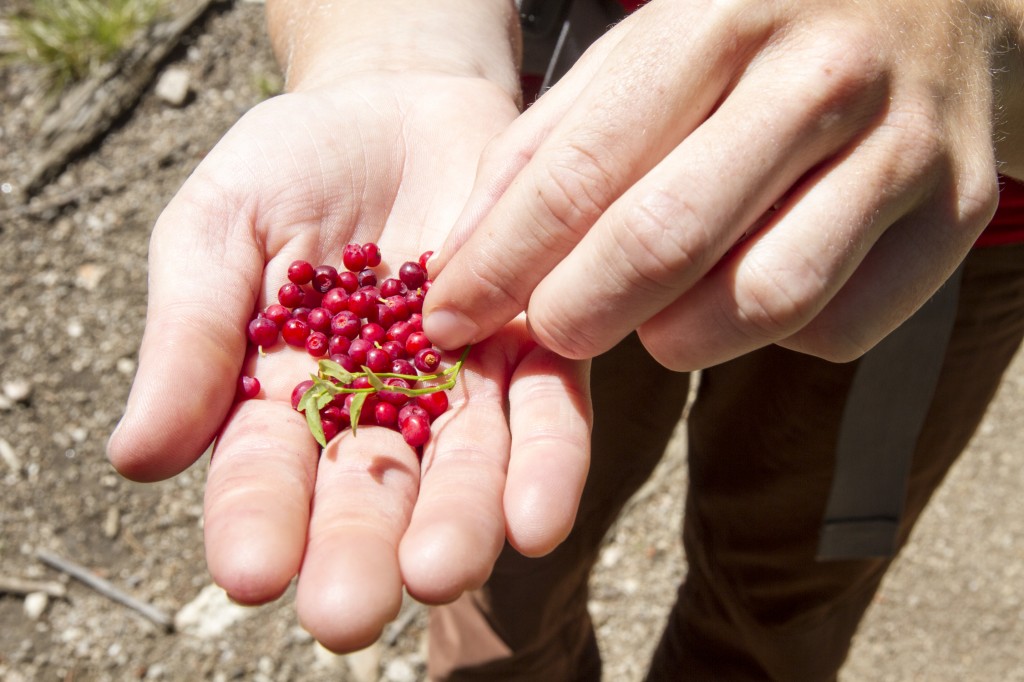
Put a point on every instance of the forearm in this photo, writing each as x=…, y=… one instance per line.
x=318, y=41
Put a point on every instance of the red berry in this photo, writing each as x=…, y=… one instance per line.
x=300, y=272
x=325, y=278
x=393, y=287
x=394, y=397
x=435, y=403
x=346, y=361
x=414, y=301
x=372, y=253
x=398, y=307
x=346, y=323
x=358, y=350
x=363, y=303
x=335, y=300
x=348, y=281
x=353, y=257
x=400, y=333
x=319, y=320
x=262, y=332
x=301, y=313
x=372, y=332
x=416, y=320
x=394, y=349
x=278, y=314
x=415, y=342
x=338, y=344
x=367, y=278
x=427, y=360
x=412, y=275
x=299, y=390
x=416, y=430
x=249, y=387
x=385, y=414
x=316, y=344
x=403, y=366
x=290, y=295
x=378, y=360
x=295, y=332
x=424, y=257
x=411, y=410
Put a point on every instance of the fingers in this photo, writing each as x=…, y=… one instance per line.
x=201, y=295
x=458, y=526
x=591, y=154
x=672, y=227
x=350, y=583
x=257, y=500
x=894, y=233
x=551, y=421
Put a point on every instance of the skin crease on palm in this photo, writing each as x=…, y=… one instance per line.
x=380, y=139
x=799, y=173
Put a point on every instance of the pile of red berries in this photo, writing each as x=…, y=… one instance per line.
x=376, y=366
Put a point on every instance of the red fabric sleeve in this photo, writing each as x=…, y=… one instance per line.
x=1007, y=226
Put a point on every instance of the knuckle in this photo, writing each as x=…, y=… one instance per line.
x=665, y=237
x=776, y=295
x=574, y=188
x=841, y=77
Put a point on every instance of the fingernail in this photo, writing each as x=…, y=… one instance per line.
x=449, y=328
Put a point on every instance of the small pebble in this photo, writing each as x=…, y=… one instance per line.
x=35, y=604
x=17, y=390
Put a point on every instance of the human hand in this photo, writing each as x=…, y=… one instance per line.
x=722, y=176
x=385, y=157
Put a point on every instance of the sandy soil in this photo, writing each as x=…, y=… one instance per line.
x=73, y=277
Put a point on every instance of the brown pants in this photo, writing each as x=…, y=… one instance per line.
x=755, y=604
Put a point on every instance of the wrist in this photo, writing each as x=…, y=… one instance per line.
x=318, y=43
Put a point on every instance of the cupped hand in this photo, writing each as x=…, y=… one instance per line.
x=726, y=175
x=389, y=158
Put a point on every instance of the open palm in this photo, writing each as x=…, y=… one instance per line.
x=388, y=158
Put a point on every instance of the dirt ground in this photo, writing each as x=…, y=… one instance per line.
x=73, y=283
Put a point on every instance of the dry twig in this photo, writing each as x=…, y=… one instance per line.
x=105, y=588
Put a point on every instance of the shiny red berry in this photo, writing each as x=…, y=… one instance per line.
x=372, y=253
x=353, y=257
x=249, y=387
x=325, y=278
x=416, y=430
x=290, y=295
x=295, y=332
x=300, y=272
x=262, y=331
x=412, y=275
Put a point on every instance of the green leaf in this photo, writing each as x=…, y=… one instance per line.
x=316, y=427
x=329, y=369
x=309, y=397
x=355, y=409
x=374, y=380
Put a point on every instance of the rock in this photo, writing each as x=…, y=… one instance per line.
x=89, y=276
x=174, y=86
x=210, y=613
x=35, y=604
x=17, y=390
x=112, y=522
x=9, y=456
x=365, y=663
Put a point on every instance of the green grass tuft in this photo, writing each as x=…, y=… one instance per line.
x=68, y=39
